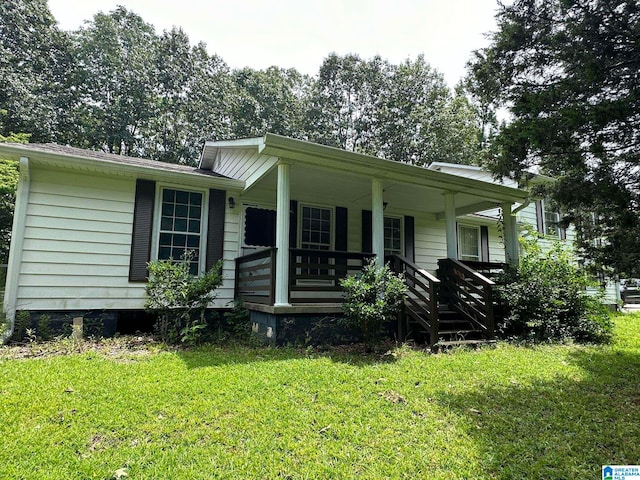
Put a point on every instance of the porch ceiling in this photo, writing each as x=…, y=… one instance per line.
x=342, y=187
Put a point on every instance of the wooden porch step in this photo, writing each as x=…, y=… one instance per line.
x=455, y=343
x=458, y=332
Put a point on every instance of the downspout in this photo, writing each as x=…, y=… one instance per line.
x=522, y=206
x=15, y=250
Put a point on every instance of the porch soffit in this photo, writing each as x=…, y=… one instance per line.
x=336, y=187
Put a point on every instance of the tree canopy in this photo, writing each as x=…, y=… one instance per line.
x=569, y=74
x=118, y=86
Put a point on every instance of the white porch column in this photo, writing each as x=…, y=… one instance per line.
x=450, y=224
x=511, y=249
x=282, y=235
x=377, y=221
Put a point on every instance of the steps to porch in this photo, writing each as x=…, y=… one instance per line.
x=453, y=330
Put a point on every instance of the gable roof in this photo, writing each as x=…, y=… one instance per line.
x=90, y=160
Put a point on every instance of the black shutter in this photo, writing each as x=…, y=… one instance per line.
x=409, y=238
x=484, y=243
x=293, y=224
x=142, y=226
x=539, y=216
x=367, y=235
x=215, y=227
x=341, y=243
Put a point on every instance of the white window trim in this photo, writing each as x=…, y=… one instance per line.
x=544, y=220
x=204, y=222
x=401, y=218
x=477, y=228
x=332, y=233
x=332, y=227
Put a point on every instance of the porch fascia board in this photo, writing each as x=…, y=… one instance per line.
x=303, y=152
x=476, y=207
x=299, y=151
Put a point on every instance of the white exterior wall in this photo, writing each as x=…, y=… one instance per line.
x=430, y=242
x=230, y=252
x=77, y=244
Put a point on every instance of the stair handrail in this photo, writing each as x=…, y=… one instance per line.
x=428, y=308
x=461, y=290
x=405, y=260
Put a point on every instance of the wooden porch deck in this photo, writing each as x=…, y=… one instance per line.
x=456, y=305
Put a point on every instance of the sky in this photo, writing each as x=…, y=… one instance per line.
x=301, y=33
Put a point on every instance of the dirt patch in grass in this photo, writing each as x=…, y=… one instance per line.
x=124, y=348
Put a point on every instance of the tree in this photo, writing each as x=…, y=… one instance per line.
x=569, y=73
x=35, y=71
x=192, y=100
x=117, y=78
x=271, y=100
x=343, y=102
x=400, y=112
x=420, y=121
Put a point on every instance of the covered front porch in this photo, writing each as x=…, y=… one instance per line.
x=312, y=215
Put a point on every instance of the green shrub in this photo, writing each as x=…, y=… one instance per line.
x=372, y=299
x=235, y=326
x=22, y=323
x=546, y=299
x=179, y=299
x=44, y=327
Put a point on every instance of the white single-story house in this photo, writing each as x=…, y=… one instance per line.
x=289, y=218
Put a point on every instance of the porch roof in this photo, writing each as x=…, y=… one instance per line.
x=316, y=167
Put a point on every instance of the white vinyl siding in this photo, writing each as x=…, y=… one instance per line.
x=77, y=244
x=430, y=242
x=244, y=164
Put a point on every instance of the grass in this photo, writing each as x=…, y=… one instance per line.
x=548, y=412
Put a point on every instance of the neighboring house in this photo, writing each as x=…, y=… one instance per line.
x=289, y=218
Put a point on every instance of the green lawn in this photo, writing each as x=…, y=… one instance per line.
x=549, y=412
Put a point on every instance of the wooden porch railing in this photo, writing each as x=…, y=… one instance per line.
x=491, y=270
x=314, y=275
x=421, y=303
x=469, y=293
x=256, y=277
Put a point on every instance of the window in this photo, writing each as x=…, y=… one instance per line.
x=469, y=243
x=180, y=225
x=316, y=228
x=315, y=234
x=548, y=218
x=551, y=220
x=392, y=236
